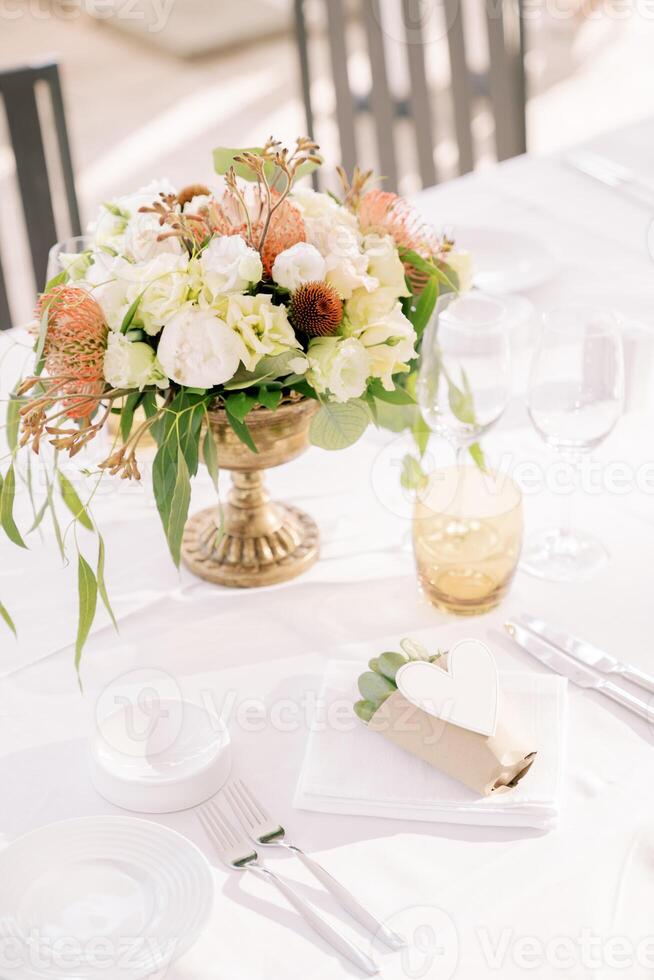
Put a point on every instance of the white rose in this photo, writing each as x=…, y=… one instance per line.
x=131, y=365
x=384, y=263
x=315, y=205
x=461, y=263
x=109, y=228
x=228, y=265
x=338, y=365
x=161, y=286
x=334, y=232
x=263, y=327
x=198, y=349
x=299, y=264
x=140, y=242
x=389, y=343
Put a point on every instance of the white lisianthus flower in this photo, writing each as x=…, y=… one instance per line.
x=384, y=263
x=228, y=265
x=263, y=328
x=140, y=243
x=161, y=286
x=317, y=206
x=389, y=342
x=109, y=229
x=461, y=263
x=339, y=366
x=298, y=264
x=198, y=349
x=107, y=290
x=132, y=365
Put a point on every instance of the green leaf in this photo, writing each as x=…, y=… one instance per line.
x=127, y=414
x=13, y=422
x=375, y=687
x=460, y=403
x=423, y=310
x=365, y=710
x=338, y=425
x=269, y=398
x=373, y=664
x=413, y=477
x=87, y=589
x=477, y=454
x=72, y=501
x=390, y=663
x=179, y=508
x=58, y=280
x=398, y=396
x=4, y=614
x=267, y=369
x=421, y=433
x=131, y=313
x=242, y=431
x=223, y=159
x=239, y=405
x=210, y=456
x=102, y=587
x=7, y=508
x=38, y=517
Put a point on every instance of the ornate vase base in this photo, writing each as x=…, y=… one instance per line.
x=289, y=547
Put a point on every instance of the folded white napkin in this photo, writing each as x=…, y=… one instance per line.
x=348, y=769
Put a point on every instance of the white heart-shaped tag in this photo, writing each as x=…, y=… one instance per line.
x=466, y=694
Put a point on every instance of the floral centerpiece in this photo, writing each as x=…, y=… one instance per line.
x=194, y=314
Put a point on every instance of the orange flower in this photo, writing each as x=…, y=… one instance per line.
x=387, y=213
x=75, y=343
x=286, y=226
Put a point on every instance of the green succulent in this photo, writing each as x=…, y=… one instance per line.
x=378, y=682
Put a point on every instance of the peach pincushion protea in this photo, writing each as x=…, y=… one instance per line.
x=386, y=213
x=75, y=343
x=286, y=227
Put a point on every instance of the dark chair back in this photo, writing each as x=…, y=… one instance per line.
x=18, y=93
x=503, y=85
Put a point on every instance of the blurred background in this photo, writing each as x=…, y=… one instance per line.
x=151, y=86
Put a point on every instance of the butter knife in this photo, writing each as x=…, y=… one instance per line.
x=613, y=175
x=587, y=653
x=579, y=674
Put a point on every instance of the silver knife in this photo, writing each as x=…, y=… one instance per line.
x=613, y=175
x=580, y=675
x=587, y=653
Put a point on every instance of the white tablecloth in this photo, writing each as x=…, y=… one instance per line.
x=567, y=902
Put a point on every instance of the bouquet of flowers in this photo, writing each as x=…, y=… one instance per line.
x=258, y=293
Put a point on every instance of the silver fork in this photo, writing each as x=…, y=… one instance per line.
x=257, y=823
x=237, y=852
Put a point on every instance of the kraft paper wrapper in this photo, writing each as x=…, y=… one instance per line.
x=487, y=764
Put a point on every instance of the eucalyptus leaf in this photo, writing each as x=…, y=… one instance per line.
x=478, y=457
x=102, y=587
x=87, y=588
x=73, y=502
x=7, y=508
x=338, y=425
x=13, y=422
x=365, y=710
x=59, y=280
x=131, y=313
x=375, y=687
x=413, y=477
x=4, y=614
x=179, y=508
x=268, y=369
x=127, y=414
x=398, y=396
x=424, y=308
x=210, y=456
x=461, y=404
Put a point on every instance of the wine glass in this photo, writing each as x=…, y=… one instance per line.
x=575, y=397
x=464, y=381
x=62, y=256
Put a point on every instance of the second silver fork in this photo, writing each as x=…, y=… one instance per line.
x=256, y=822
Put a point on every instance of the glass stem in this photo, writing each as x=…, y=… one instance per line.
x=567, y=505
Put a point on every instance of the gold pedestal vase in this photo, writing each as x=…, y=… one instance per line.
x=261, y=542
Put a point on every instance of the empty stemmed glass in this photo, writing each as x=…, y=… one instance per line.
x=575, y=398
x=464, y=381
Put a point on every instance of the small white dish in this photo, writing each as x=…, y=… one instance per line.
x=100, y=897
x=180, y=759
x=505, y=261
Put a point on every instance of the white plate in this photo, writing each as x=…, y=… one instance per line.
x=103, y=897
x=505, y=261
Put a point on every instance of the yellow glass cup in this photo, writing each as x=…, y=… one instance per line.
x=467, y=535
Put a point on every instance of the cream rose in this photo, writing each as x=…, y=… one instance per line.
x=141, y=243
x=363, y=307
x=338, y=365
x=198, y=349
x=132, y=365
x=299, y=264
x=228, y=265
x=161, y=286
x=262, y=327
